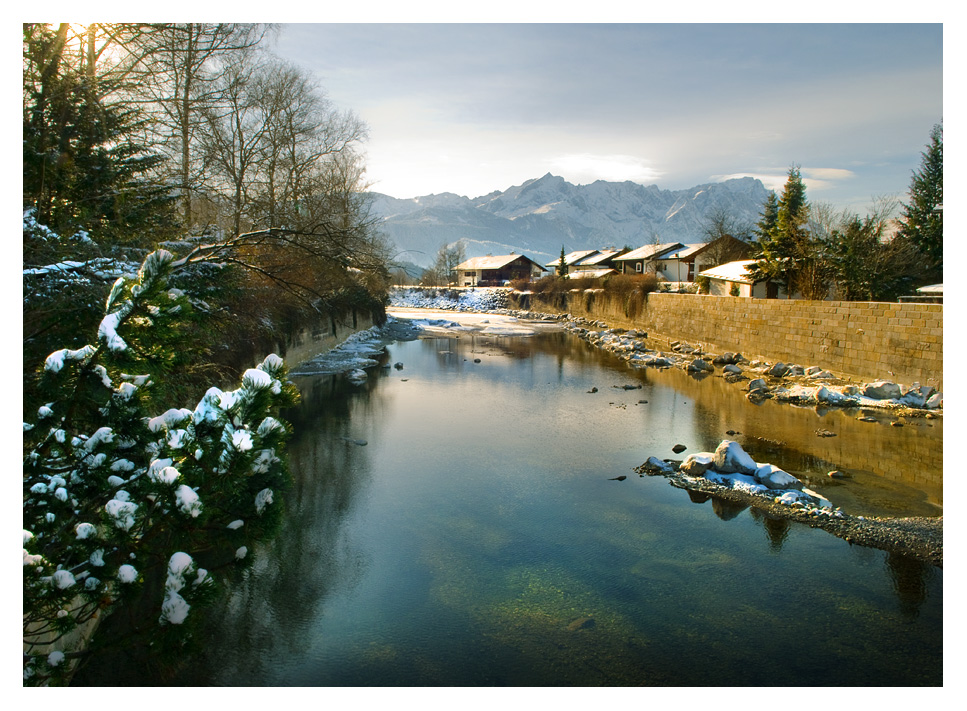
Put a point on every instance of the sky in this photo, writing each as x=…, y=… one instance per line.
x=471, y=108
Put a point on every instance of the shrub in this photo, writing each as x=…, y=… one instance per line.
x=122, y=504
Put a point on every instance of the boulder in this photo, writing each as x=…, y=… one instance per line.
x=730, y=458
x=757, y=384
x=733, y=369
x=778, y=370
x=821, y=375
x=917, y=395
x=935, y=401
x=654, y=465
x=775, y=478
x=724, y=359
x=699, y=366
x=794, y=370
x=882, y=390
x=678, y=448
x=697, y=464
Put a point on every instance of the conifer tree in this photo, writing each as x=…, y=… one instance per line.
x=786, y=251
x=562, y=265
x=922, y=219
x=84, y=163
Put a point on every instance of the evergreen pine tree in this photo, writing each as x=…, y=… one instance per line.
x=922, y=219
x=561, y=265
x=786, y=251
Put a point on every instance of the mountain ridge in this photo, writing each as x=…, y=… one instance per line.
x=540, y=215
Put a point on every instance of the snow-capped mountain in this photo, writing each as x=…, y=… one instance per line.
x=544, y=214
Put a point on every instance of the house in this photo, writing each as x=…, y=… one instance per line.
x=570, y=260
x=644, y=260
x=731, y=277
x=600, y=261
x=494, y=271
x=685, y=264
x=932, y=294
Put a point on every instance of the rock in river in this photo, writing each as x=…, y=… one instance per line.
x=730, y=458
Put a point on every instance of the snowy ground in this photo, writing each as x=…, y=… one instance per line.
x=487, y=324
x=361, y=350
x=478, y=299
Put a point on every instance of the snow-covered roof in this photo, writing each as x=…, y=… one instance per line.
x=491, y=262
x=650, y=251
x=601, y=256
x=590, y=273
x=732, y=271
x=687, y=252
x=932, y=289
x=573, y=257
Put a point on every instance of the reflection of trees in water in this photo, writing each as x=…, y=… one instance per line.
x=910, y=580
x=726, y=510
x=273, y=607
x=777, y=529
x=909, y=576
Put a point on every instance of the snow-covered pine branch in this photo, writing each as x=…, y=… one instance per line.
x=118, y=501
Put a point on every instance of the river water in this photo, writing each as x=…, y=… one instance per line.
x=457, y=523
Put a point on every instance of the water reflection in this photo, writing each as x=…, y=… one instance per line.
x=777, y=529
x=910, y=579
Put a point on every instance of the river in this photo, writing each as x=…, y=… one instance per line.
x=458, y=522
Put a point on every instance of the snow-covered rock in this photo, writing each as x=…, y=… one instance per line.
x=730, y=458
x=882, y=390
x=697, y=464
x=775, y=478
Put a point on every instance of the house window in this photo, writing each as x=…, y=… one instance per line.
x=638, y=267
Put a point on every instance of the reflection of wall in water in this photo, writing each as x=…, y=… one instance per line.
x=911, y=455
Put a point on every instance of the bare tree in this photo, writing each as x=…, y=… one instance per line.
x=179, y=71
x=447, y=258
x=726, y=236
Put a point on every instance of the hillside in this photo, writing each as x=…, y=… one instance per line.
x=539, y=216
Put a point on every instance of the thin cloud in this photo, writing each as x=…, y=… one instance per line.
x=588, y=167
x=831, y=174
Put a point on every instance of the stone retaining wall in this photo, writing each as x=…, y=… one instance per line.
x=323, y=336
x=866, y=341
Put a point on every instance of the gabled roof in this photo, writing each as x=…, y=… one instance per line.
x=688, y=252
x=599, y=257
x=696, y=249
x=732, y=271
x=573, y=257
x=491, y=262
x=649, y=251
